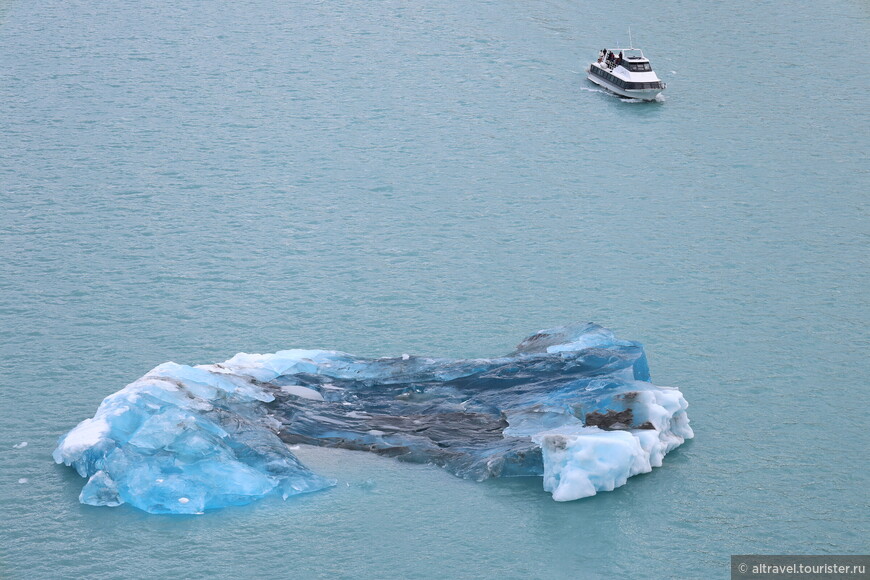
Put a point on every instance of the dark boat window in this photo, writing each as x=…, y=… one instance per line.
x=640, y=86
x=615, y=80
x=639, y=67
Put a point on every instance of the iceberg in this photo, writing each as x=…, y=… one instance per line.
x=573, y=405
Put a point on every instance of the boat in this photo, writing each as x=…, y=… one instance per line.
x=626, y=72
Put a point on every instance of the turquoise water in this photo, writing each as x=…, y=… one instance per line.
x=184, y=181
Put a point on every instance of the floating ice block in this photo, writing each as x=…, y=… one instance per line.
x=572, y=404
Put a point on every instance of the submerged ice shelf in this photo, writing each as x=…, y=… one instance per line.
x=572, y=404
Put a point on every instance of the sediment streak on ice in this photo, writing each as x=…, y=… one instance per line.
x=573, y=404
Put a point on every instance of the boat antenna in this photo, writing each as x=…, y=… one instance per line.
x=630, y=43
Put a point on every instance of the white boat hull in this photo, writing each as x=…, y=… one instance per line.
x=641, y=94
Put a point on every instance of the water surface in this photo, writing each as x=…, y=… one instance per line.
x=184, y=181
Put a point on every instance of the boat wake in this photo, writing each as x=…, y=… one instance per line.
x=658, y=99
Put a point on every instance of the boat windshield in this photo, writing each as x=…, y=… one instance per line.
x=637, y=66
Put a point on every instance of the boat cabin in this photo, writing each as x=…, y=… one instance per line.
x=635, y=64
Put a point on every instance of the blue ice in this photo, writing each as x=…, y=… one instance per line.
x=572, y=404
